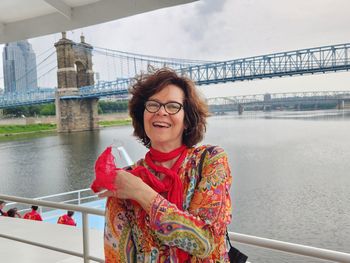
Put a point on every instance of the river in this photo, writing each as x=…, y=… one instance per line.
x=291, y=173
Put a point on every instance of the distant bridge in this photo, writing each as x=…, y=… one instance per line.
x=216, y=105
x=299, y=62
x=267, y=101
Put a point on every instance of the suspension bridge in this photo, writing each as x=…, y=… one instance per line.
x=77, y=93
x=118, y=68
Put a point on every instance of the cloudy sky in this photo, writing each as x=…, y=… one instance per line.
x=228, y=29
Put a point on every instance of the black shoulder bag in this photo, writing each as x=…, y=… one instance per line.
x=234, y=254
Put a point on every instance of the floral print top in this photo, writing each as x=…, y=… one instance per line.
x=199, y=229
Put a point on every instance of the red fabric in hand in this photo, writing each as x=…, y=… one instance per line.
x=105, y=172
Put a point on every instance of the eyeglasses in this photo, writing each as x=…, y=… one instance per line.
x=171, y=108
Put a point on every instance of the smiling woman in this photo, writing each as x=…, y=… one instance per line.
x=173, y=205
x=163, y=129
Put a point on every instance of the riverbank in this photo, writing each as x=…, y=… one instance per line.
x=52, y=119
x=6, y=130
x=12, y=130
x=120, y=122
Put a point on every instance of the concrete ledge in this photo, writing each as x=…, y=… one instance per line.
x=61, y=236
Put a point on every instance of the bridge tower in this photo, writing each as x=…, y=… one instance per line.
x=74, y=62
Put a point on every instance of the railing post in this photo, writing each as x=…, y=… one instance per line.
x=85, y=237
x=40, y=208
x=79, y=198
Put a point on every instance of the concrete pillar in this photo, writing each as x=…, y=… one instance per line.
x=76, y=114
x=341, y=104
x=83, y=63
x=74, y=62
x=240, y=109
x=267, y=107
x=346, y=104
x=66, y=73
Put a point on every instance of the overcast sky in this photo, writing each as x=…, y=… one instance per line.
x=228, y=29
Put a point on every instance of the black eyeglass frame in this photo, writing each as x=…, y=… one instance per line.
x=164, y=105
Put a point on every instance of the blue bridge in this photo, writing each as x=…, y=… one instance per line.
x=299, y=62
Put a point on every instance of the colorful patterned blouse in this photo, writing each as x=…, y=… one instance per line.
x=199, y=229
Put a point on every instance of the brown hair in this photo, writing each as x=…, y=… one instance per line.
x=195, y=107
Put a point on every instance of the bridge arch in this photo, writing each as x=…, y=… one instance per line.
x=81, y=70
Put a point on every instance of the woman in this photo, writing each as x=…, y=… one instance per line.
x=13, y=213
x=177, y=207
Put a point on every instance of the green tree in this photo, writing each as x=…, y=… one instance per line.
x=31, y=111
x=48, y=109
x=112, y=106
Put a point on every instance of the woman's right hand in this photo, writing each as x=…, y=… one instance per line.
x=129, y=186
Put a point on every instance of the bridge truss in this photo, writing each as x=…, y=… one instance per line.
x=305, y=61
x=299, y=62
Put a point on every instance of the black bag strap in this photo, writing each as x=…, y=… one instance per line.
x=200, y=165
x=234, y=254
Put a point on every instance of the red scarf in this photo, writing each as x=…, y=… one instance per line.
x=105, y=172
x=171, y=183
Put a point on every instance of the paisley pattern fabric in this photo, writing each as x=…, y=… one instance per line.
x=199, y=229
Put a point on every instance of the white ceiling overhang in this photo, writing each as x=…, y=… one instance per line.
x=23, y=19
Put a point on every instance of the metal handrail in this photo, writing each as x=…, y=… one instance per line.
x=62, y=194
x=84, y=210
x=298, y=249
x=309, y=251
x=79, y=198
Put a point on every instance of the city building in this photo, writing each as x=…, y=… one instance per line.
x=19, y=66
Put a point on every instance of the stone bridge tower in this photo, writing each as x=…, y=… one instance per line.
x=74, y=62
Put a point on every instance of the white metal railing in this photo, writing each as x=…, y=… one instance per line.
x=298, y=249
x=79, y=199
x=302, y=250
x=85, y=231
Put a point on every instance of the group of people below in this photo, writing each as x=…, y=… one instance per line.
x=66, y=219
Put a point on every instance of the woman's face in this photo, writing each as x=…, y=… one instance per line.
x=163, y=129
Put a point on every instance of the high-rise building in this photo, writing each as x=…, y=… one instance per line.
x=19, y=65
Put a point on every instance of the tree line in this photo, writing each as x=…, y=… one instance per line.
x=49, y=109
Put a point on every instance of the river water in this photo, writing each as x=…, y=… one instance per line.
x=291, y=173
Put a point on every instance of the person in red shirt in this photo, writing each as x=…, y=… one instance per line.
x=33, y=215
x=67, y=219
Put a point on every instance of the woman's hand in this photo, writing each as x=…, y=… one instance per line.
x=129, y=186
x=126, y=184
